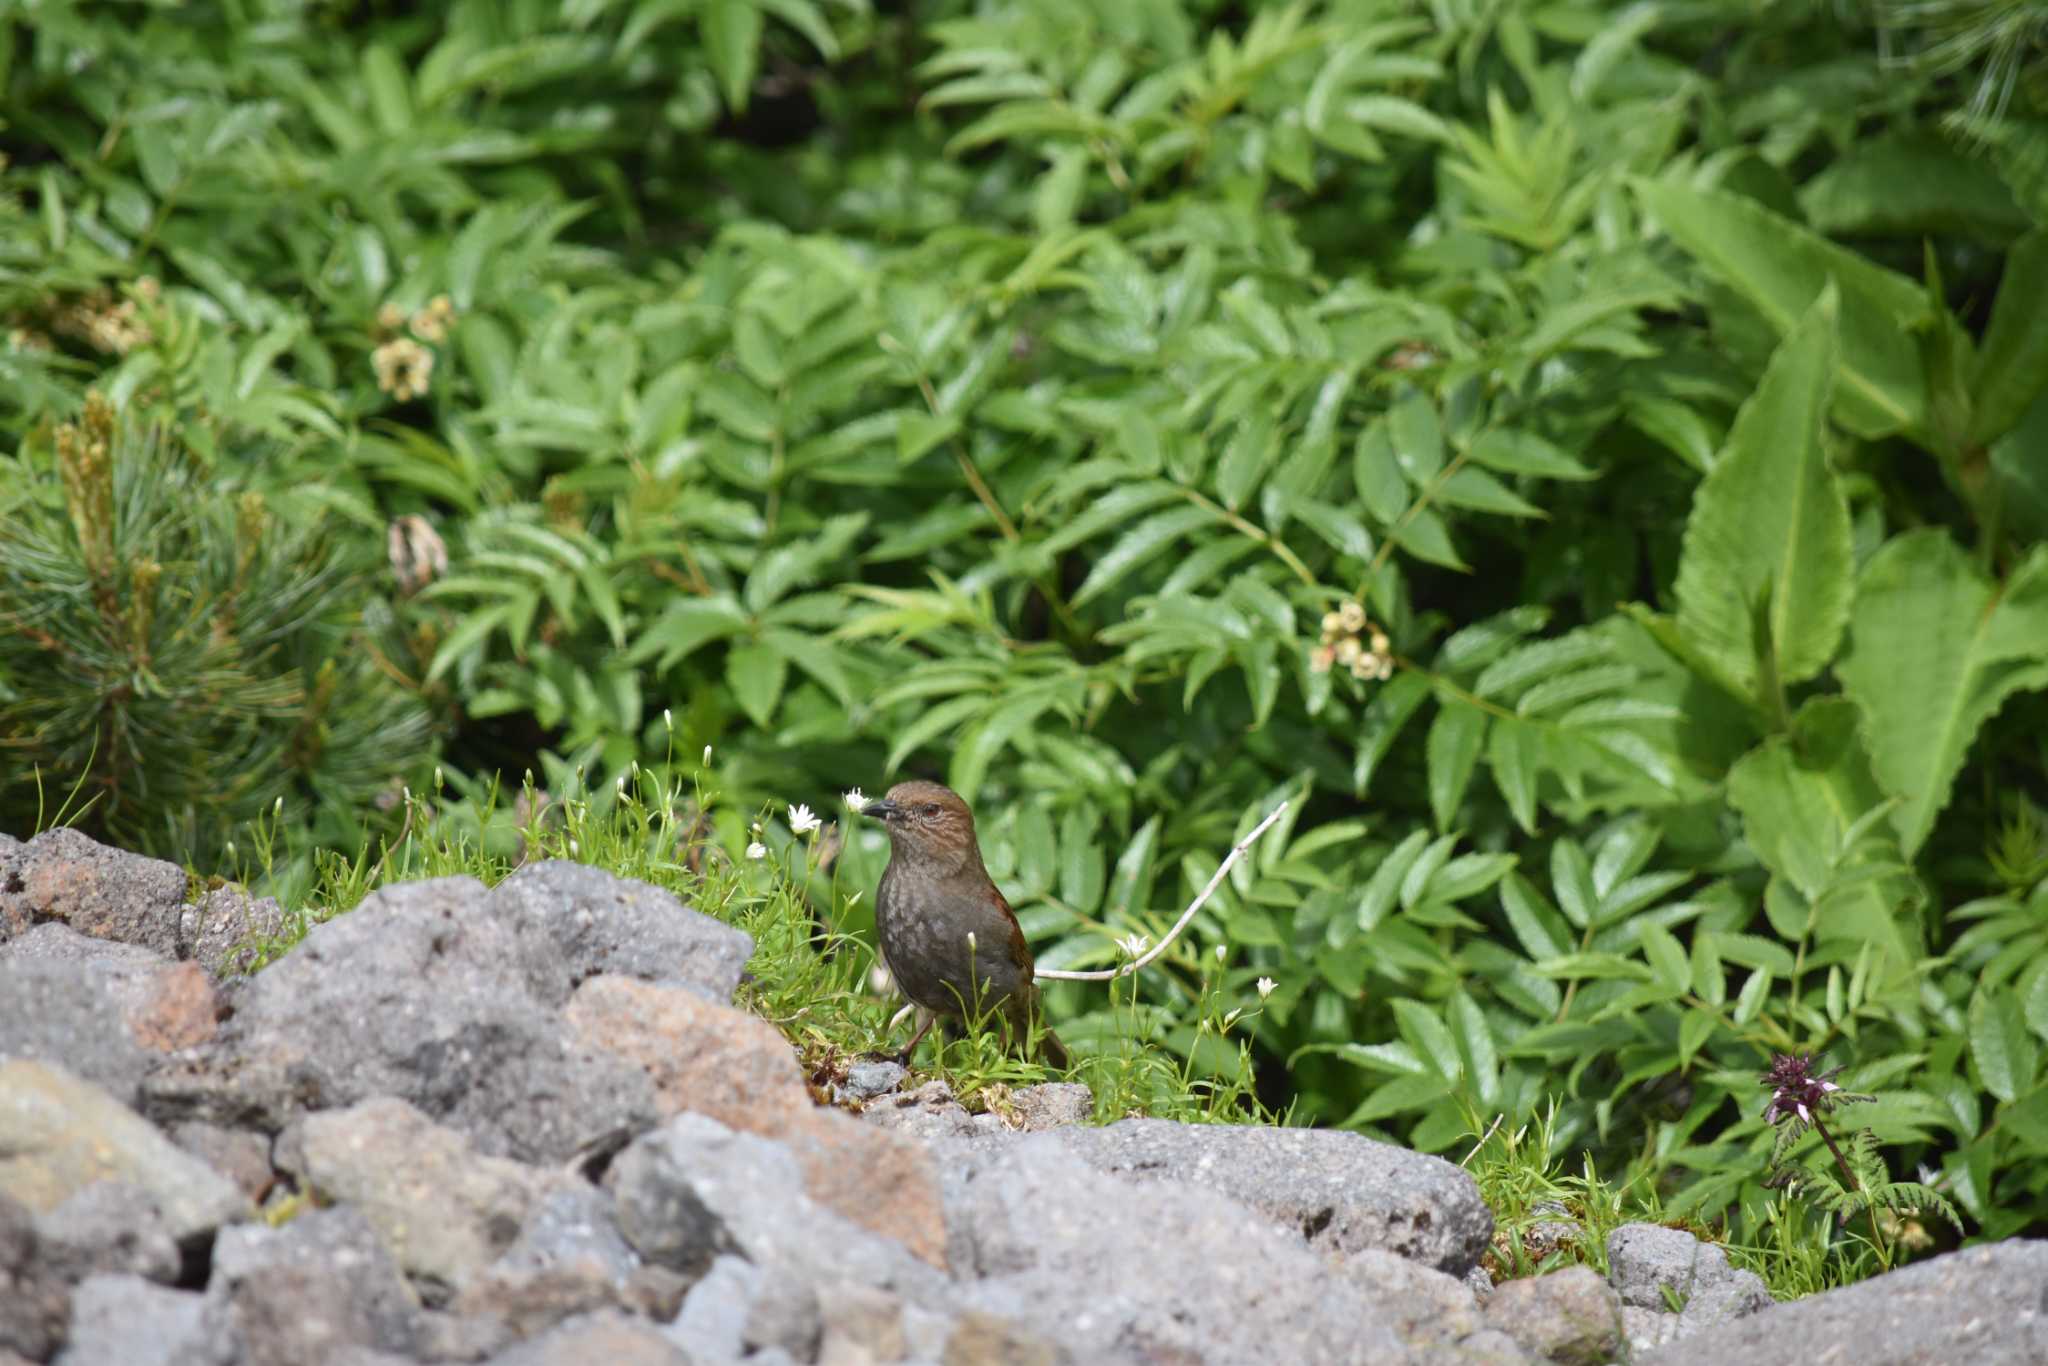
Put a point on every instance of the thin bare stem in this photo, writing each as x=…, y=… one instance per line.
x=1112, y=974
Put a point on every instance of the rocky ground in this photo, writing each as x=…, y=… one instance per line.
x=526, y=1125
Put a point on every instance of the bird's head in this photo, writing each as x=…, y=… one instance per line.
x=928, y=824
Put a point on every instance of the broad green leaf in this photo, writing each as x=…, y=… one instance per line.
x=683, y=626
x=1418, y=438
x=1518, y=452
x=1376, y=474
x=1474, y=488
x=756, y=673
x=1422, y=534
x=1454, y=740
x=731, y=30
x=1428, y=1036
x=2012, y=365
x=1392, y=705
x=1141, y=543
x=1799, y=796
x=1935, y=650
x=1130, y=885
x=1384, y=888
x=1764, y=579
x=2005, y=1054
x=1781, y=267
x=1476, y=1048
x=1513, y=749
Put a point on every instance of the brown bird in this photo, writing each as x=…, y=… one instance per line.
x=949, y=938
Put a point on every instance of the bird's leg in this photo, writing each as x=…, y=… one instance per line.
x=926, y=1019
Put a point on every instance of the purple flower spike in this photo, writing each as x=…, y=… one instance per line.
x=1796, y=1089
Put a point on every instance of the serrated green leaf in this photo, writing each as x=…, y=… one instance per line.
x=1781, y=267
x=1764, y=579
x=2005, y=1054
x=1935, y=650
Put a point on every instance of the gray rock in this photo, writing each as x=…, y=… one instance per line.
x=223, y=929
x=304, y=1291
x=242, y=1157
x=443, y=1210
x=34, y=1302
x=712, y=1325
x=1569, y=1317
x=70, y=1014
x=1644, y=1261
x=866, y=1080
x=1151, y=1270
x=927, y=1113
x=1422, y=1303
x=611, y=1337
x=417, y=993
x=59, y=1134
x=978, y=1339
x=1052, y=1105
x=573, y=1225
x=106, y=893
x=575, y=922
x=786, y=1314
x=110, y=1227
x=861, y=1323
x=121, y=1320
x=693, y=1189
x=1340, y=1191
x=55, y=941
x=1982, y=1305
x=1491, y=1347
x=1647, y=1328
x=107, y=1012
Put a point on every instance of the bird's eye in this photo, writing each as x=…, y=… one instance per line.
x=929, y=809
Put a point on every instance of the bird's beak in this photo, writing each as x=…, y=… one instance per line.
x=882, y=809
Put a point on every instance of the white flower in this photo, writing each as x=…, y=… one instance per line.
x=1133, y=944
x=1231, y=1018
x=970, y=942
x=854, y=900
x=1265, y=986
x=1220, y=948
x=803, y=820
x=707, y=756
x=668, y=722
x=855, y=798
x=757, y=850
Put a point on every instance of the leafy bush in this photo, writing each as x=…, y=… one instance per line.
x=1587, y=459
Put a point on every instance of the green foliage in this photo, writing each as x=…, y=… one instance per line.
x=1570, y=455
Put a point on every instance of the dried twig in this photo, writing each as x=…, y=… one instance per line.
x=1111, y=974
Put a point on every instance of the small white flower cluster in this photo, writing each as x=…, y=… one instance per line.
x=1351, y=640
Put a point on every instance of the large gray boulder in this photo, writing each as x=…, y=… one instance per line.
x=1987, y=1306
